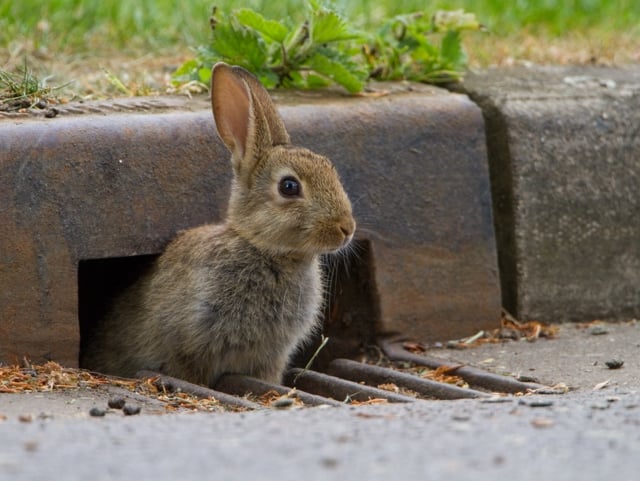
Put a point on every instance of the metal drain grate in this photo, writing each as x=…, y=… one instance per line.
x=347, y=381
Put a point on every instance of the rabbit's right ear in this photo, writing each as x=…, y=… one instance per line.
x=246, y=119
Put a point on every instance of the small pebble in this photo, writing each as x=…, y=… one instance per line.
x=283, y=402
x=537, y=403
x=601, y=406
x=97, y=412
x=131, y=409
x=31, y=446
x=461, y=417
x=614, y=363
x=598, y=330
x=496, y=400
x=116, y=402
x=542, y=423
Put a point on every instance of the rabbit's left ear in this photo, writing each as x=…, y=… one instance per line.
x=246, y=118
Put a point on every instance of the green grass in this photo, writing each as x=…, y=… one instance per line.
x=97, y=25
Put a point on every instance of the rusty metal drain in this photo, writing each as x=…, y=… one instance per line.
x=376, y=375
x=395, y=350
x=243, y=385
x=347, y=381
x=175, y=384
x=338, y=388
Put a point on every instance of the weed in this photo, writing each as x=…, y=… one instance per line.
x=23, y=89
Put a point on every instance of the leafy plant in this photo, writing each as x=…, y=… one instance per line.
x=311, y=54
x=403, y=47
x=324, y=48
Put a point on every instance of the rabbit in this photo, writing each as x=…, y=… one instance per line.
x=241, y=296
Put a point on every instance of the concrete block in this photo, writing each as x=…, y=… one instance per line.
x=104, y=185
x=564, y=148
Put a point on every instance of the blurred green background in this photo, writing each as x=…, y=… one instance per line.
x=100, y=48
x=89, y=25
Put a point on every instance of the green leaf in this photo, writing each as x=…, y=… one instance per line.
x=267, y=77
x=187, y=68
x=336, y=71
x=269, y=28
x=317, y=81
x=327, y=26
x=204, y=75
x=451, y=50
x=238, y=45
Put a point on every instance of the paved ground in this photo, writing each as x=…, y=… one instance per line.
x=584, y=435
x=577, y=357
x=577, y=438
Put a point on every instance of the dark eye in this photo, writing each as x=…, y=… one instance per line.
x=289, y=187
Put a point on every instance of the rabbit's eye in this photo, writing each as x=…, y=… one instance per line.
x=289, y=187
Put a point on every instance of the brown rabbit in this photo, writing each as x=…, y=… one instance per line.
x=237, y=297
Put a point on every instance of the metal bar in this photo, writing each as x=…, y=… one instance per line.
x=475, y=377
x=336, y=388
x=241, y=385
x=376, y=375
x=175, y=384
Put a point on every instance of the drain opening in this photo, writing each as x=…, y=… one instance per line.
x=350, y=314
x=100, y=281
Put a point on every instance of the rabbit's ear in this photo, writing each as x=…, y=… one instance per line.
x=246, y=118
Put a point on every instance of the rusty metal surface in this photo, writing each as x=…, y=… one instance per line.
x=100, y=186
x=475, y=377
x=242, y=385
x=337, y=388
x=175, y=384
x=376, y=375
x=134, y=104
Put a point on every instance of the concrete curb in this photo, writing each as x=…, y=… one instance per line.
x=88, y=187
x=564, y=149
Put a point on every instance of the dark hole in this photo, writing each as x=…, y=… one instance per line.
x=99, y=282
x=351, y=309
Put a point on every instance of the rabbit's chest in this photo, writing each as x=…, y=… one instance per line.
x=263, y=306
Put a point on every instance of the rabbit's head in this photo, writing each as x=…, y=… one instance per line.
x=285, y=200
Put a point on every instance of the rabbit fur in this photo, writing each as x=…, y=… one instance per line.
x=240, y=296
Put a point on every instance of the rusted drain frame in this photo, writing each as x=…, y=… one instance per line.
x=348, y=380
x=175, y=384
x=338, y=388
x=395, y=351
x=243, y=385
x=376, y=375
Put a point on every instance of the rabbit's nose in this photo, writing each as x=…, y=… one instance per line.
x=347, y=228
